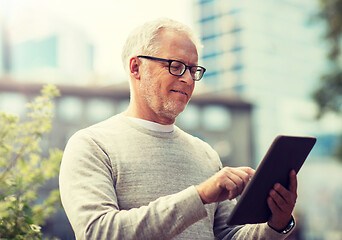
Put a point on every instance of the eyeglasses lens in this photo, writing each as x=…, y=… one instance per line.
x=177, y=68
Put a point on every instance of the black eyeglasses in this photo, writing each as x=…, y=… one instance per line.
x=178, y=68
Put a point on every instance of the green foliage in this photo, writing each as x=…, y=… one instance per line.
x=330, y=13
x=23, y=169
x=329, y=94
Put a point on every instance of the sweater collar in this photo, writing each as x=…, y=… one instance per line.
x=153, y=126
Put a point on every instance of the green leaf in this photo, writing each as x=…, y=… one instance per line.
x=23, y=170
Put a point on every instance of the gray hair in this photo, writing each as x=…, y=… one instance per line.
x=144, y=39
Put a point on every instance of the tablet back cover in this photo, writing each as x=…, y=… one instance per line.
x=286, y=153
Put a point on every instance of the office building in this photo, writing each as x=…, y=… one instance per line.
x=272, y=53
x=269, y=52
x=58, y=57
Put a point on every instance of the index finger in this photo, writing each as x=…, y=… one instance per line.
x=293, y=181
x=248, y=170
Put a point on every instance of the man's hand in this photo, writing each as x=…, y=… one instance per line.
x=281, y=202
x=228, y=183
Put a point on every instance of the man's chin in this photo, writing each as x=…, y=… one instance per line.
x=173, y=111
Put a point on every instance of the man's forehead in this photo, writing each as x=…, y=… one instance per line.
x=173, y=34
x=178, y=46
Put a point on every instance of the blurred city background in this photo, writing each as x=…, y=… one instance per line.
x=264, y=60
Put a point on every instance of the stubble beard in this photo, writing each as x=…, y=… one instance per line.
x=163, y=107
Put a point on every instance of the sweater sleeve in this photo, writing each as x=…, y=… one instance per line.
x=87, y=187
x=241, y=232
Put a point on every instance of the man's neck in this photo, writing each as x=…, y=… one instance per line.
x=152, y=125
x=135, y=113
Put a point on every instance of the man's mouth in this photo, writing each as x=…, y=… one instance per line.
x=181, y=92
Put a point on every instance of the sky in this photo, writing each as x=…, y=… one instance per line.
x=106, y=23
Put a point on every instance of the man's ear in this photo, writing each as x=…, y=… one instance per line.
x=134, y=67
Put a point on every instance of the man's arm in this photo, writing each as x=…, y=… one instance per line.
x=227, y=184
x=87, y=186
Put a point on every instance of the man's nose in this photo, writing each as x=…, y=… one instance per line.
x=187, y=77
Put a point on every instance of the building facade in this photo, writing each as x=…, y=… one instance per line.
x=55, y=58
x=270, y=53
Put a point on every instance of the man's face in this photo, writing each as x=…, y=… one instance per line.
x=163, y=96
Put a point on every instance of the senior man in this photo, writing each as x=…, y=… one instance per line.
x=138, y=176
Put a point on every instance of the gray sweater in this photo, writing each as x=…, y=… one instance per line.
x=119, y=180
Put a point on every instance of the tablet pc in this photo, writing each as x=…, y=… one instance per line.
x=285, y=153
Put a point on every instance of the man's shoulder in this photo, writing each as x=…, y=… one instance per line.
x=113, y=122
x=103, y=129
x=203, y=149
x=196, y=140
x=191, y=137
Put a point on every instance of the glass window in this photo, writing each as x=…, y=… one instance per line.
x=226, y=61
x=211, y=64
x=70, y=109
x=227, y=23
x=210, y=46
x=13, y=103
x=209, y=28
x=189, y=119
x=223, y=148
x=99, y=109
x=228, y=41
x=216, y=118
x=207, y=9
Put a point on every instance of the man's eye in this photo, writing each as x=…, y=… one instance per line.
x=193, y=70
x=176, y=67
